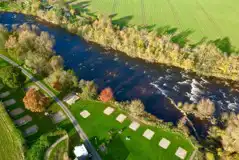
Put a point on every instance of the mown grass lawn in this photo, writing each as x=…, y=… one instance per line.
x=98, y=125
x=205, y=18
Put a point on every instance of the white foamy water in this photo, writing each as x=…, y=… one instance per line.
x=161, y=91
x=232, y=106
x=185, y=82
x=193, y=90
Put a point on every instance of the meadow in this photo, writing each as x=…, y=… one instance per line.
x=98, y=127
x=214, y=19
x=10, y=138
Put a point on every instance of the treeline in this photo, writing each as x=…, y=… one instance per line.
x=34, y=49
x=205, y=58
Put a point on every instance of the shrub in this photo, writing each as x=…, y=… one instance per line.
x=12, y=76
x=136, y=107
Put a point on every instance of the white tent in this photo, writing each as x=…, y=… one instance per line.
x=80, y=151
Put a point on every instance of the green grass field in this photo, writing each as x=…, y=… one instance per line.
x=213, y=19
x=98, y=126
x=11, y=141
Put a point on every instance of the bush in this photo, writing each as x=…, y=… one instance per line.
x=136, y=107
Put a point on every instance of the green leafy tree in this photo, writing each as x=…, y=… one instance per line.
x=63, y=80
x=88, y=89
x=12, y=76
x=136, y=107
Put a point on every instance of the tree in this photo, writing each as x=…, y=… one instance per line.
x=35, y=101
x=206, y=107
x=88, y=89
x=106, y=95
x=136, y=107
x=63, y=80
x=228, y=135
x=12, y=76
x=38, y=64
x=56, y=63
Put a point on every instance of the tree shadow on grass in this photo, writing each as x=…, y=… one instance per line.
x=82, y=7
x=182, y=38
x=201, y=41
x=224, y=44
x=117, y=150
x=122, y=22
x=148, y=27
x=113, y=15
x=166, y=30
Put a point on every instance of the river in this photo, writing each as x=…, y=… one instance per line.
x=133, y=78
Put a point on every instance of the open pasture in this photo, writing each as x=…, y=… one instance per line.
x=213, y=19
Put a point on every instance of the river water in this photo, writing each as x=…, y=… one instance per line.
x=133, y=78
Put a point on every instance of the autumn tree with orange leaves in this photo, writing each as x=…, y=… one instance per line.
x=106, y=95
x=35, y=101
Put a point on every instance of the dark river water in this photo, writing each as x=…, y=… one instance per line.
x=133, y=78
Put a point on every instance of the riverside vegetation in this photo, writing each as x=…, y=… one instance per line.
x=24, y=43
x=34, y=49
x=204, y=58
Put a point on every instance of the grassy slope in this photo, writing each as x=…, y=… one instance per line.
x=213, y=19
x=11, y=141
x=98, y=125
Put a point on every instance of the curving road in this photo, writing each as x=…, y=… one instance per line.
x=78, y=128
